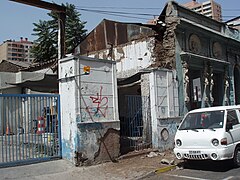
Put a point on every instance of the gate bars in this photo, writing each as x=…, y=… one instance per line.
x=29, y=128
x=136, y=124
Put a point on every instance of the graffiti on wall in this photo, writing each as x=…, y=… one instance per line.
x=99, y=105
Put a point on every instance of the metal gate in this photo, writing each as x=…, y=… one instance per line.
x=29, y=128
x=136, y=124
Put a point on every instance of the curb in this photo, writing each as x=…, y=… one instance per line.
x=164, y=169
x=157, y=171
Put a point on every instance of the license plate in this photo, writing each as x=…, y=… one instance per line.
x=195, y=152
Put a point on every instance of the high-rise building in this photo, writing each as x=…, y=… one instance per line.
x=16, y=50
x=208, y=8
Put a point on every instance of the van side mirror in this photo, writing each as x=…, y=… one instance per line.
x=229, y=126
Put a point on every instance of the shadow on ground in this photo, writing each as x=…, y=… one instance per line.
x=208, y=165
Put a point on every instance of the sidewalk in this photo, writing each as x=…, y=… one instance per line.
x=132, y=166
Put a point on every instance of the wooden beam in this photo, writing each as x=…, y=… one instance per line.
x=42, y=4
x=61, y=35
x=61, y=19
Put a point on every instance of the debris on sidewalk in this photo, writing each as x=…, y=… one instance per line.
x=152, y=154
x=138, y=166
x=165, y=161
x=133, y=166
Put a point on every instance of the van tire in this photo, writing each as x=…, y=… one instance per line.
x=236, y=157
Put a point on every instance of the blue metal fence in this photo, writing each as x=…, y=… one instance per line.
x=136, y=124
x=29, y=128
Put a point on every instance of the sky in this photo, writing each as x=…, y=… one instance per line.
x=17, y=19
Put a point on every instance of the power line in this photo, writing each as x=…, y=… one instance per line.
x=127, y=14
x=117, y=12
x=120, y=14
x=112, y=7
x=135, y=8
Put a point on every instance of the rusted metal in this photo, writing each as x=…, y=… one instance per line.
x=110, y=34
x=122, y=34
x=99, y=39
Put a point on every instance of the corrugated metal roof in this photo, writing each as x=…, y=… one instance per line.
x=111, y=34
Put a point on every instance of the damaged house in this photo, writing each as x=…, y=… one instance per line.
x=19, y=77
x=184, y=61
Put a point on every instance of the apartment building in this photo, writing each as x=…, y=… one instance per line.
x=208, y=8
x=16, y=50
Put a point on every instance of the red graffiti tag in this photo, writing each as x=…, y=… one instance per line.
x=101, y=102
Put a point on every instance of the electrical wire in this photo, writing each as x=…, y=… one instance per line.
x=114, y=7
x=120, y=14
x=135, y=8
x=133, y=17
x=128, y=14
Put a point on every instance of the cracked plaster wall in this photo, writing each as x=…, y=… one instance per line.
x=89, y=112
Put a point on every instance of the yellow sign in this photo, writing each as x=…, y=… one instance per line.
x=86, y=69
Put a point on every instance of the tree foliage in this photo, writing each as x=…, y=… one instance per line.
x=46, y=46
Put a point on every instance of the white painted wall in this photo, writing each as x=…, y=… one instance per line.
x=135, y=56
x=9, y=78
x=87, y=101
x=166, y=93
x=98, y=92
x=46, y=71
x=67, y=91
x=5, y=78
x=130, y=58
x=164, y=105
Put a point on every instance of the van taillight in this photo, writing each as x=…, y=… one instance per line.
x=224, y=141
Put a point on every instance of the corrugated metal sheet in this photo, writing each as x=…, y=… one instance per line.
x=99, y=37
x=113, y=33
x=122, y=34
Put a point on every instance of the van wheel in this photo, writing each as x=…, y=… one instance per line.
x=236, y=157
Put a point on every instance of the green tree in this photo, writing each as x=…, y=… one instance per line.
x=46, y=43
x=47, y=34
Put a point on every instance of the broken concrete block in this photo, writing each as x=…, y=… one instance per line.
x=172, y=162
x=165, y=161
x=152, y=154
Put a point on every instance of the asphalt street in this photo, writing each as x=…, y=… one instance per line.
x=201, y=170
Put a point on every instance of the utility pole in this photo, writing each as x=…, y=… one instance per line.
x=61, y=20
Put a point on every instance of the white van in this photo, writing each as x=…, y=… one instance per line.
x=210, y=133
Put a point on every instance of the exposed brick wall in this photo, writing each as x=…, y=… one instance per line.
x=165, y=47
